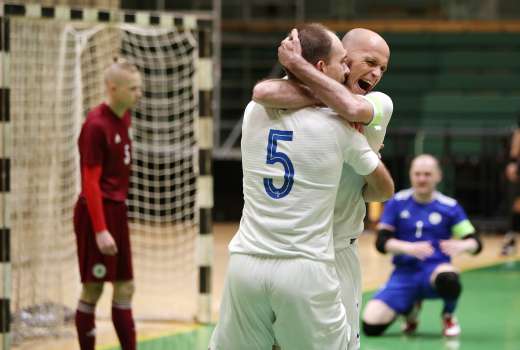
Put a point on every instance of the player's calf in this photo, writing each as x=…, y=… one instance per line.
x=449, y=288
x=122, y=317
x=85, y=315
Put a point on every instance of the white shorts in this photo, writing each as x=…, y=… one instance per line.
x=295, y=300
x=349, y=274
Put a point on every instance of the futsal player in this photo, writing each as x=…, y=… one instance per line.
x=423, y=229
x=100, y=214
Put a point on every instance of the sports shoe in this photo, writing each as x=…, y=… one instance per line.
x=411, y=320
x=451, y=327
x=509, y=244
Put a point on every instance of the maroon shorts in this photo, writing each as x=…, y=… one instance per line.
x=93, y=265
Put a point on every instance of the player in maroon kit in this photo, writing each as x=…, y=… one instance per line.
x=100, y=215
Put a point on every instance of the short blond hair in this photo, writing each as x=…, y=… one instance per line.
x=119, y=64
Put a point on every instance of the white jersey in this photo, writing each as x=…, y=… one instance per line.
x=292, y=163
x=350, y=209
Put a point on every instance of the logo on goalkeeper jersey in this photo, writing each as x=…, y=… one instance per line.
x=99, y=270
x=117, y=139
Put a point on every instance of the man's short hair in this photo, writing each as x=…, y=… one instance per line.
x=119, y=64
x=123, y=64
x=315, y=42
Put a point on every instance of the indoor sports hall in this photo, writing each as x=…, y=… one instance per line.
x=453, y=77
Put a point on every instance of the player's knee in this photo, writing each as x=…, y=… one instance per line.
x=123, y=291
x=91, y=292
x=448, y=285
x=374, y=330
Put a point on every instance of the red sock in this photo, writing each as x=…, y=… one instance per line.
x=124, y=325
x=85, y=325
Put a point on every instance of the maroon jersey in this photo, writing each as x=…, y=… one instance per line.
x=104, y=140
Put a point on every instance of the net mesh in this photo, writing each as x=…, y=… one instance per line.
x=56, y=77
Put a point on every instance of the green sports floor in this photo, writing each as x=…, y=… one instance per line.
x=489, y=314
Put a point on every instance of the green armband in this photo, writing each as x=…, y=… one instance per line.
x=462, y=229
x=378, y=110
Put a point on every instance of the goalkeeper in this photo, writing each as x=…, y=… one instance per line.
x=100, y=214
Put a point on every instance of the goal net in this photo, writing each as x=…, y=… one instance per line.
x=56, y=76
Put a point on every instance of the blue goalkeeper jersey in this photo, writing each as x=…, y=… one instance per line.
x=441, y=219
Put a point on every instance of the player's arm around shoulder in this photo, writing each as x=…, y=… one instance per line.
x=351, y=107
x=283, y=93
x=332, y=93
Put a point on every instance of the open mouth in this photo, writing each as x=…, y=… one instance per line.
x=365, y=85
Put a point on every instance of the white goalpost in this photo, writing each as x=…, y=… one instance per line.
x=52, y=64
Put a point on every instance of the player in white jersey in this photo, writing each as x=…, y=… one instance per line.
x=368, y=56
x=281, y=279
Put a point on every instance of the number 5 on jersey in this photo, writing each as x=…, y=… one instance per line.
x=273, y=157
x=127, y=159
